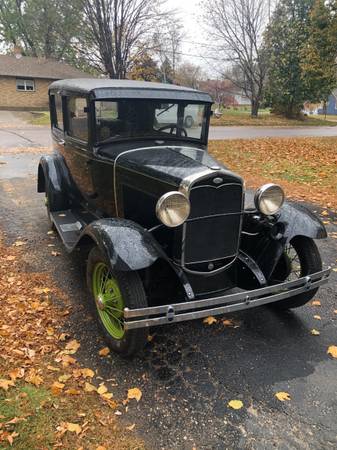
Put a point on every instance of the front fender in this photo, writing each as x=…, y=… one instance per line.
x=126, y=244
x=298, y=220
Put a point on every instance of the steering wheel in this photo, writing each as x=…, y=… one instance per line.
x=171, y=127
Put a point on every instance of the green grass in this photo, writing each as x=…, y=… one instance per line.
x=39, y=118
x=241, y=117
x=35, y=407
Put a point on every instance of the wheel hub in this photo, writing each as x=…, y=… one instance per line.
x=100, y=303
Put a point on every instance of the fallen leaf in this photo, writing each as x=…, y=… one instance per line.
x=324, y=213
x=34, y=378
x=102, y=389
x=134, y=393
x=89, y=387
x=64, y=378
x=19, y=372
x=317, y=317
x=235, y=404
x=87, y=373
x=100, y=447
x=332, y=350
x=67, y=360
x=107, y=395
x=315, y=332
x=55, y=253
x=228, y=323
x=104, y=351
x=131, y=427
x=335, y=311
x=74, y=427
x=72, y=391
x=10, y=258
x=72, y=346
x=282, y=396
x=316, y=303
x=210, y=320
x=335, y=269
x=19, y=243
x=4, y=384
x=57, y=387
x=63, y=336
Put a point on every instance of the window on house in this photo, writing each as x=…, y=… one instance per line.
x=78, y=118
x=25, y=85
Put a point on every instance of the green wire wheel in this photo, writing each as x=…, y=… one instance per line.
x=109, y=300
x=112, y=291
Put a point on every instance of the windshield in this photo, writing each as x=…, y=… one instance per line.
x=147, y=118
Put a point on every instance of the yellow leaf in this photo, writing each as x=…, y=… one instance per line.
x=332, y=350
x=235, y=404
x=102, y=389
x=100, y=447
x=104, y=351
x=87, y=373
x=66, y=360
x=4, y=384
x=317, y=317
x=34, y=378
x=315, y=332
x=282, y=396
x=73, y=346
x=228, y=322
x=72, y=391
x=89, y=387
x=64, y=378
x=134, y=393
x=210, y=320
x=131, y=427
x=324, y=213
x=74, y=427
x=107, y=395
x=57, y=387
x=19, y=372
x=316, y=303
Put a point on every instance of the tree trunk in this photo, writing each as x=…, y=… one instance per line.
x=255, y=108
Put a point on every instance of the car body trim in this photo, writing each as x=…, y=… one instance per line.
x=139, y=318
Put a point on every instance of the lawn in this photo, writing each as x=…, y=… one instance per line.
x=241, y=117
x=47, y=398
x=39, y=118
x=305, y=167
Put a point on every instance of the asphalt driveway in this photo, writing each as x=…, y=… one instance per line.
x=190, y=371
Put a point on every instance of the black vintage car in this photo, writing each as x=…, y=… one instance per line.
x=166, y=227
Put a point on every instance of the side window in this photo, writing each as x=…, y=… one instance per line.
x=78, y=118
x=58, y=112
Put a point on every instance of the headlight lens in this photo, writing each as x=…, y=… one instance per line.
x=269, y=198
x=173, y=208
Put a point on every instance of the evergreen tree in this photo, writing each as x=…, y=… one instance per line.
x=285, y=39
x=319, y=70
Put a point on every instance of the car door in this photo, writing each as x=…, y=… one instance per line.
x=77, y=152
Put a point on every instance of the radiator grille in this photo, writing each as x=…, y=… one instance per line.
x=212, y=232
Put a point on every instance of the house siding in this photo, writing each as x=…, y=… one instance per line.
x=10, y=98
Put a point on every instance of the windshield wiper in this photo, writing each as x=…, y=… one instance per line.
x=166, y=109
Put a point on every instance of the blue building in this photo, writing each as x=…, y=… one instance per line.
x=331, y=106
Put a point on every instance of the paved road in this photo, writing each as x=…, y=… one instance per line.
x=190, y=371
x=218, y=133
x=23, y=135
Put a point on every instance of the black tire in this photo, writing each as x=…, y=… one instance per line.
x=189, y=122
x=310, y=262
x=134, y=296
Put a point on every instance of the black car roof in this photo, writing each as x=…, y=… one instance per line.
x=106, y=88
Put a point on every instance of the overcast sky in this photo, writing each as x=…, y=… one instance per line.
x=195, y=41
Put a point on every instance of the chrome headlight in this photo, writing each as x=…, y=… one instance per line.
x=173, y=208
x=269, y=198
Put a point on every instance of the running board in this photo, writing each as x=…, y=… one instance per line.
x=69, y=224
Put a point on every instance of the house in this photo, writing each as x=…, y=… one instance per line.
x=225, y=93
x=24, y=80
x=331, y=106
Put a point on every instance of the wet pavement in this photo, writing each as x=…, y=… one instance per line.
x=189, y=372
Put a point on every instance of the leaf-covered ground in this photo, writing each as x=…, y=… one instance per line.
x=47, y=400
x=305, y=167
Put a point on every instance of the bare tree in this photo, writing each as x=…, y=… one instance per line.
x=237, y=27
x=113, y=32
x=166, y=44
x=188, y=74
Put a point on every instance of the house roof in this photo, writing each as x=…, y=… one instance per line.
x=106, y=88
x=30, y=67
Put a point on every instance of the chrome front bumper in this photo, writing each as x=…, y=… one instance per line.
x=197, y=309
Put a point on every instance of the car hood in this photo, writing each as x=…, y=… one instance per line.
x=169, y=164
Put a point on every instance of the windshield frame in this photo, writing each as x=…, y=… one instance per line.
x=204, y=128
